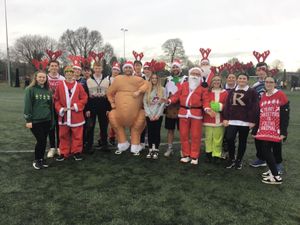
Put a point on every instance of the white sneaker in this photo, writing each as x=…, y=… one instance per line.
x=185, y=159
x=51, y=153
x=267, y=173
x=272, y=180
x=194, y=162
x=143, y=146
x=169, y=152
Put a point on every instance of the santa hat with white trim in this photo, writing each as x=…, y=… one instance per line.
x=116, y=66
x=127, y=64
x=176, y=62
x=76, y=61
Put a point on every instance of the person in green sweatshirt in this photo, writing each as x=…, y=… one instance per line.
x=38, y=113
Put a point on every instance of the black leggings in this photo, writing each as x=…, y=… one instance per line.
x=40, y=132
x=154, y=132
x=231, y=135
x=272, y=154
x=103, y=125
x=54, y=132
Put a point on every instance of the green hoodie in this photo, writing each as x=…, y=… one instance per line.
x=38, y=104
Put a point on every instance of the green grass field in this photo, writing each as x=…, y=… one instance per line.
x=110, y=189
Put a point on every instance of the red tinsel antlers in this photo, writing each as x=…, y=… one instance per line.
x=138, y=56
x=205, y=53
x=53, y=55
x=40, y=65
x=156, y=66
x=262, y=56
x=96, y=56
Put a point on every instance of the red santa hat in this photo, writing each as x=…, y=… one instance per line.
x=195, y=68
x=116, y=66
x=127, y=63
x=76, y=61
x=205, y=53
x=147, y=65
x=177, y=63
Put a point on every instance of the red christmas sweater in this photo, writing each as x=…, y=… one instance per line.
x=54, y=81
x=270, y=122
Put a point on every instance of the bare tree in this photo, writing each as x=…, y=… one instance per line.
x=173, y=48
x=109, y=52
x=233, y=60
x=277, y=64
x=29, y=47
x=81, y=41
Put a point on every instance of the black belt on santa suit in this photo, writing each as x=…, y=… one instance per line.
x=191, y=107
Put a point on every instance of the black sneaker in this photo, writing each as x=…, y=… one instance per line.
x=216, y=160
x=37, y=164
x=44, y=163
x=112, y=141
x=230, y=164
x=60, y=158
x=208, y=158
x=238, y=165
x=78, y=157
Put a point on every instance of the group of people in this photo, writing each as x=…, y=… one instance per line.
x=66, y=107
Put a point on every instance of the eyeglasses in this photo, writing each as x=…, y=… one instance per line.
x=69, y=71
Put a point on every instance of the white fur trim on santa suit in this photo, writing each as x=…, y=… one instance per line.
x=68, y=101
x=75, y=107
x=61, y=112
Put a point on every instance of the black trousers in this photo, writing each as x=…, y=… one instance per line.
x=259, y=149
x=40, y=132
x=231, y=135
x=154, y=132
x=103, y=124
x=54, y=133
x=272, y=154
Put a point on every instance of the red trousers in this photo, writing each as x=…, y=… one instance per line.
x=190, y=136
x=70, y=140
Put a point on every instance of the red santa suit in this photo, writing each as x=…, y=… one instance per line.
x=192, y=103
x=219, y=96
x=71, y=122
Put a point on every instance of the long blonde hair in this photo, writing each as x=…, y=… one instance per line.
x=158, y=87
x=212, y=82
x=34, y=82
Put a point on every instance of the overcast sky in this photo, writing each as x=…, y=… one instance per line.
x=231, y=28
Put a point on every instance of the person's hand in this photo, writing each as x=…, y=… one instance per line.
x=282, y=137
x=251, y=125
x=28, y=125
x=137, y=93
x=72, y=108
x=225, y=123
x=113, y=105
x=65, y=109
x=163, y=100
x=253, y=136
x=210, y=113
x=88, y=113
x=155, y=118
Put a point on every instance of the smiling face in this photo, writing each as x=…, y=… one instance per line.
x=270, y=84
x=77, y=73
x=261, y=72
x=138, y=68
x=41, y=78
x=175, y=70
x=231, y=80
x=242, y=80
x=216, y=82
x=87, y=74
x=97, y=70
x=154, y=79
x=53, y=68
x=69, y=73
x=128, y=70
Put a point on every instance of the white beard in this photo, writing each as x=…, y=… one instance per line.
x=206, y=71
x=194, y=82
